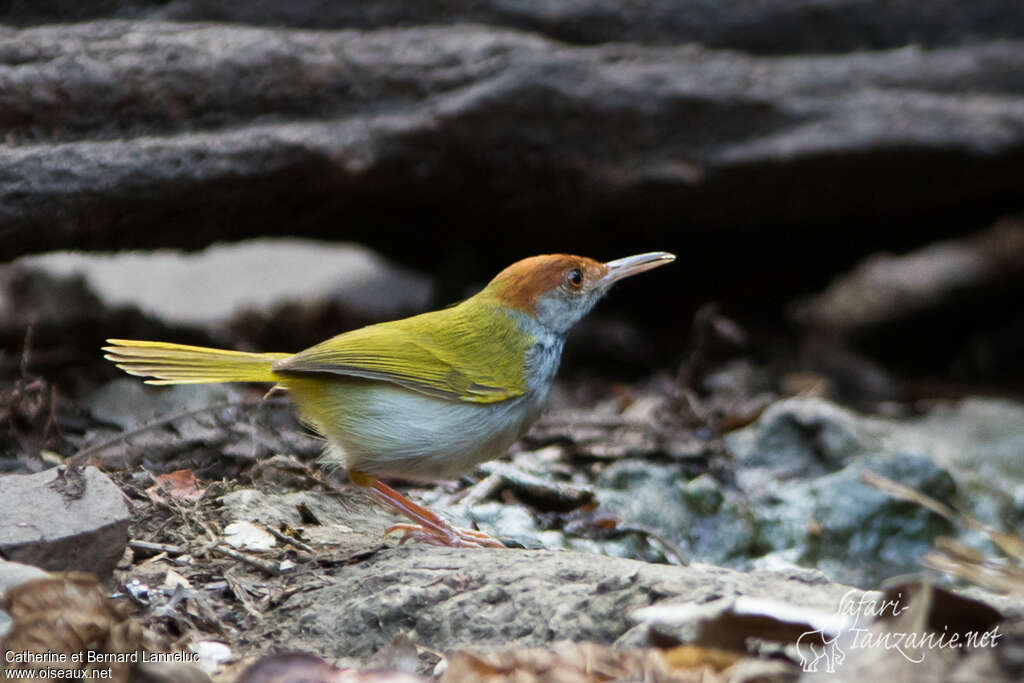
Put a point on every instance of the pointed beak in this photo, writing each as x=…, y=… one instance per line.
x=631, y=265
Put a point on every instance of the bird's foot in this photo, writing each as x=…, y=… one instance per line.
x=444, y=535
x=430, y=527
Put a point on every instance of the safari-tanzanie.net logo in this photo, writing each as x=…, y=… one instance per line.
x=822, y=650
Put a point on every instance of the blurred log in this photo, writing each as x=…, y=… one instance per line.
x=951, y=307
x=434, y=143
x=768, y=26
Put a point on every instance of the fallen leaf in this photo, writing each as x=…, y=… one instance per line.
x=728, y=623
x=248, y=536
x=181, y=485
x=70, y=614
x=212, y=655
x=571, y=663
x=299, y=666
x=687, y=657
x=174, y=579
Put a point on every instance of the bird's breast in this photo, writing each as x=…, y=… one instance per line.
x=383, y=429
x=542, y=361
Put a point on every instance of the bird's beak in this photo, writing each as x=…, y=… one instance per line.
x=631, y=265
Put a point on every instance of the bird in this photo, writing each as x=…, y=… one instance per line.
x=426, y=397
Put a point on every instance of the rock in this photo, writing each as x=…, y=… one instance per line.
x=852, y=532
x=321, y=518
x=980, y=441
x=148, y=134
x=61, y=319
x=169, y=427
x=797, y=496
x=11, y=575
x=209, y=288
x=776, y=26
x=697, y=515
x=64, y=520
x=797, y=439
x=14, y=573
x=830, y=520
x=296, y=666
x=129, y=404
x=62, y=617
x=446, y=599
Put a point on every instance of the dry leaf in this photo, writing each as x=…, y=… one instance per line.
x=248, y=536
x=687, y=657
x=571, y=663
x=70, y=614
x=299, y=666
x=180, y=485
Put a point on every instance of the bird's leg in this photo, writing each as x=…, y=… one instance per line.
x=429, y=527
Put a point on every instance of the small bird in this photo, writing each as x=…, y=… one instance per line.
x=427, y=397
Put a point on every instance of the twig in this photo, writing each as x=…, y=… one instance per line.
x=1010, y=544
x=285, y=538
x=81, y=455
x=482, y=490
x=263, y=565
x=157, y=547
x=26, y=350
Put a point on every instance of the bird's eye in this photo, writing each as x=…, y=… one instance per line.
x=574, y=278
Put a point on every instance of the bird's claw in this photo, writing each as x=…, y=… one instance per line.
x=451, y=536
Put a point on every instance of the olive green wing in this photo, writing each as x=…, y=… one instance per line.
x=471, y=352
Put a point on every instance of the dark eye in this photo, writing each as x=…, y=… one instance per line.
x=574, y=278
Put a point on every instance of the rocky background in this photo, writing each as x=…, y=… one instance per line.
x=841, y=182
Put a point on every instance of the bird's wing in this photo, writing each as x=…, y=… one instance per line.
x=472, y=352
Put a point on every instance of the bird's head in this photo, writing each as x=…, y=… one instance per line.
x=556, y=290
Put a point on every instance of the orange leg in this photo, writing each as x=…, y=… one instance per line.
x=429, y=527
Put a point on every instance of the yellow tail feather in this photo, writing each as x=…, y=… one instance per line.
x=170, y=363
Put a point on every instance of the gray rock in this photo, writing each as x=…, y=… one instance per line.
x=210, y=287
x=15, y=573
x=131, y=134
x=350, y=520
x=798, y=497
x=852, y=532
x=128, y=403
x=11, y=575
x=64, y=521
x=797, y=438
x=166, y=426
x=447, y=599
x=696, y=515
x=981, y=442
x=800, y=469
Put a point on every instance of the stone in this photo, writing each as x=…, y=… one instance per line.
x=62, y=520
x=797, y=438
x=320, y=518
x=446, y=599
x=129, y=404
x=208, y=288
x=11, y=575
x=14, y=573
x=796, y=497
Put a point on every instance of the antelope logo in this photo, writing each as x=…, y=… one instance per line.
x=820, y=649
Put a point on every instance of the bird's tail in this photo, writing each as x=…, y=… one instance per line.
x=168, y=363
